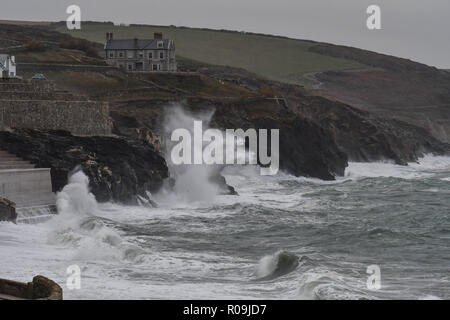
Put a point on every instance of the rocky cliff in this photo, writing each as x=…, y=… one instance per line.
x=306, y=149
x=362, y=135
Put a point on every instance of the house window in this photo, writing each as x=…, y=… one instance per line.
x=130, y=67
x=150, y=55
x=111, y=54
x=120, y=54
x=161, y=55
x=160, y=44
x=141, y=54
x=156, y=67
x=11, y=74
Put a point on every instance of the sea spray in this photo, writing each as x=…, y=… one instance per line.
x=192, y=182
x=199, y=181
x=75, y=198
x=79, y=226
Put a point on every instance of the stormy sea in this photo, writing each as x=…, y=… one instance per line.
x=282, y=237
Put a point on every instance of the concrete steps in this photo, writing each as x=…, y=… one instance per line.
x=35, y=214
x=15, y=166
x=9, y=161
x=23, y=184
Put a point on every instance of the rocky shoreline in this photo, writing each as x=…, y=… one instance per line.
x=118, y=168
x=318, y=135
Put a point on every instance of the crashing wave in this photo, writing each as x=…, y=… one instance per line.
x=276, y=265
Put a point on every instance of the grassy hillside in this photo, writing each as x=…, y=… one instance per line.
x=276, y=58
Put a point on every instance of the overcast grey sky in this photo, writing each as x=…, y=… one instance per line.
x=415, y=29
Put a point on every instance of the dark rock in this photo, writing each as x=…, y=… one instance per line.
x=46, y=289
x=7, y=210
x=306, y=149
x=224, y=188
x=118, y=168
x=366, y=137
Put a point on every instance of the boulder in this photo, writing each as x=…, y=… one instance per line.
x=7, y=210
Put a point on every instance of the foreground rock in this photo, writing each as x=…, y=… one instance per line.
x=118, y=168
x=7, y=210
x=41, y=288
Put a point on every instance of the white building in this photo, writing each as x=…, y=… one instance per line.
x=7, y=66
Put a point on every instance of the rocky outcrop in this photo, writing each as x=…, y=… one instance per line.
x=360, y=134
x=41, y=288
x=366, y=137
x=7, y=210
x=306, y=149
x=118, y=168
x=46, y=289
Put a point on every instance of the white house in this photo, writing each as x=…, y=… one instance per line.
x=7, y=66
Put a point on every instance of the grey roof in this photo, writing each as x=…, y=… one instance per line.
x=139, y=44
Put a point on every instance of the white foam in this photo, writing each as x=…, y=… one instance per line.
x=267, y=265
x=192, y=182
x=426, y=167
x=111, y=259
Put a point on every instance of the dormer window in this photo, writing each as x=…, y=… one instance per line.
x=160, y=44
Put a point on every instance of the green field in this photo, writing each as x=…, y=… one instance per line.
x=273, y=57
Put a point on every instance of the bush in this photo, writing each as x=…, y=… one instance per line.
x=35, y=46
x=80, y=44
x=268, y=92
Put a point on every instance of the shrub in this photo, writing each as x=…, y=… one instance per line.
x=80, y=44
x=268, y=92
x=35, y=46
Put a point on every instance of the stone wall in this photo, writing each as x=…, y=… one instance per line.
x=35, y=104
x=16, y=85
x=79, y=117
x=43, y=67
x=27, y=187
x=25, y=95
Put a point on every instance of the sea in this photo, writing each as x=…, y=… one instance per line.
x=382, y=231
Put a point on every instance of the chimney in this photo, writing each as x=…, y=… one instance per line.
x=158, y=35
